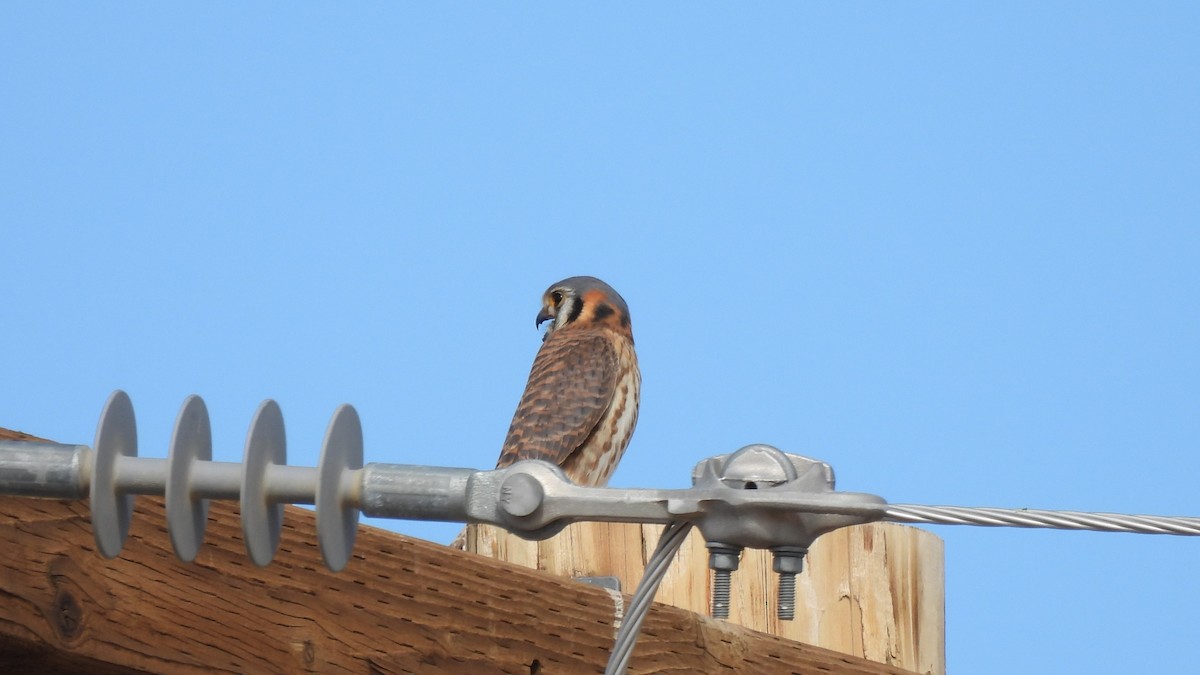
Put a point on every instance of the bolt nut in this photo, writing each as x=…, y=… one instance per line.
x=788, y=559
x=723, y=557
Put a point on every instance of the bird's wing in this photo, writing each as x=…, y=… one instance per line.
x=570, y=386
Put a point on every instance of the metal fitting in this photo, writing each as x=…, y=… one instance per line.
x=723, y=560
x=788, y=562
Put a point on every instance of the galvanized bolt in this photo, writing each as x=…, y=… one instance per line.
x=723, y=560
x=788, y=562
x=521, y=495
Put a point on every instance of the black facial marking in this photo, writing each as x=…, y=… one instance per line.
x=624, y=321
x=575, y=310
x=602, y=311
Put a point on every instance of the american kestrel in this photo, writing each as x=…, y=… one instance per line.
x=581, y=401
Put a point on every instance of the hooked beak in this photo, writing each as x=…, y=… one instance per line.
x=543, y=316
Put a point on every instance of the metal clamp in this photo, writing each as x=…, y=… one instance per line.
x=757, y=497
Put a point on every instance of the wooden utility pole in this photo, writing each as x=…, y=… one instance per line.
x=874, y=591
x=402, y=605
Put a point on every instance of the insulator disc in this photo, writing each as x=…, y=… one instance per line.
x=187, y=514
x=116, y=437
x=337, y=517
x=266, y=444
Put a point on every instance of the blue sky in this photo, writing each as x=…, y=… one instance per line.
x=951, y=249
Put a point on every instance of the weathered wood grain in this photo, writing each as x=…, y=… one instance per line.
x=402, y=606
x=875, y=591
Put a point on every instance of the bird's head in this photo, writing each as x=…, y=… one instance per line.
x=583, y=301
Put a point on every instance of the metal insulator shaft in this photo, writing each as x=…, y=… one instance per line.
x=36, y=469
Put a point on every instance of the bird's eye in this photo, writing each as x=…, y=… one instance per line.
x=556, y=297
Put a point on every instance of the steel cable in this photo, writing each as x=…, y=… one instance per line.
x=672, y=538
x=1039, y=518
